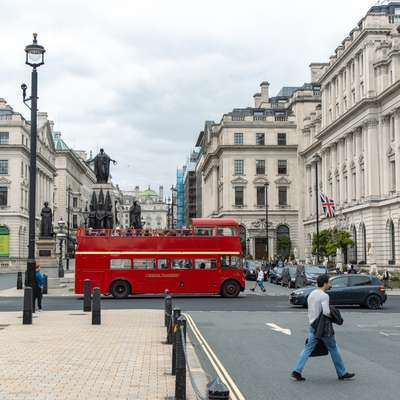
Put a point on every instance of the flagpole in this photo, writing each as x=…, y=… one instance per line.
x=317, y=159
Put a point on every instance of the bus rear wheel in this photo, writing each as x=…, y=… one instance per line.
x=230, y=289
x=120, y=289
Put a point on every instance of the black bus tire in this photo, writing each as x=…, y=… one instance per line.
x=230, y=289
x=120, y=289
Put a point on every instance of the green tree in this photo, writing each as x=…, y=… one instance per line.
x=283, y=246
x=330, y=240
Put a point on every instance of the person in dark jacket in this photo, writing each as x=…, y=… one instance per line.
x=319, y=316
x=39, y=277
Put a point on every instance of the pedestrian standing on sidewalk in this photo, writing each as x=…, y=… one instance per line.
x=39, y=277
x=260, y=280
x=318, y=303
x=386, y=279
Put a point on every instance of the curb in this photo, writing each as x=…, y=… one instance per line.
x=198, y=374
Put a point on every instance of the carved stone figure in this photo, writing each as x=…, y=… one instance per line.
x=100, y=212
x=108, y=209
x=102, y=166
x=46, y=224
x=135, y=215
x=92, y=213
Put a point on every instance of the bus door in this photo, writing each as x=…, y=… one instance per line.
x=181, y=271
x=205, y=276
x=145, y=275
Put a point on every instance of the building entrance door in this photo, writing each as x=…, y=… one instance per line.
x=260, y=248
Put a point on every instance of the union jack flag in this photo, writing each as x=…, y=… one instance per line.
x=328, y=205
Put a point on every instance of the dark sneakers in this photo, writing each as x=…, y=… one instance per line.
x=347, y=375
x=297, y=376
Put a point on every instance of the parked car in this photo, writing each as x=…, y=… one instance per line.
x=275, y=275
x=312, y=272
x=361, y=289
x=250, y=269
x=293, y=276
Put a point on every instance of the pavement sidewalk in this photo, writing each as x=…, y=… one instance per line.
x=62, y=356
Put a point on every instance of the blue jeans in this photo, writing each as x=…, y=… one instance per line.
x=261, y=285
x=332, y=347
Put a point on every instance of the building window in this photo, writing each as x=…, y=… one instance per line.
x=282, y=139
x=239, y=195
x=75, y=202
x=3, y=167
x=238, y=138
x=392, y=176
x=392, y=243
x=282, y=167
x=282, y=194
x=4, y=137
x=354, y=186
x=392, y=131
x=74, y=221
x=3, y=196
x=260, y=138
x=260, y=167
x=260, y=196
x=239, y=167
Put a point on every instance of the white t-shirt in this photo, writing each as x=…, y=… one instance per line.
x=318, y=301
x=260, y=276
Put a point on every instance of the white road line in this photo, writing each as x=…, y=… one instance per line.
x=384, y=333
x=277, y=328
x=235, y=393
x=389, y=334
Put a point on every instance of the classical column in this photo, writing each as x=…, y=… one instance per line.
x=340, y=91
x=372, y=158
x=357, y=77
x=385, y=135
x=397, y=147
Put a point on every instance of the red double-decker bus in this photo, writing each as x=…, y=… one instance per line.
x=205, y=259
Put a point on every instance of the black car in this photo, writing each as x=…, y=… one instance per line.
x=275, y=275
x=361, y=289
x=250, y=269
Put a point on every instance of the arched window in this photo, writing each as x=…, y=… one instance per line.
x=352, y=251
x=392, y=243
x=4, y=241
x=283, y=244
x=363, y=234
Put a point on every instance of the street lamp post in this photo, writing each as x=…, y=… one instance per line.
x=34, y=58
x=61, y=236
x=266, y=218
x=69, y=190
x=317, y=159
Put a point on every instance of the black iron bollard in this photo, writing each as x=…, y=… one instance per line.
x=28, y=306
x=45, y=285
x=169, y=316
x=19, y=280
x=87, y=306
x=217, y=390
x=96, y=307
x=166, y=293
x=180, y=380
x=175, y=315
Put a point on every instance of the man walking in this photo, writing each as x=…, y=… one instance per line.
x=259, y=281
x=39, y=277
x=318, y=303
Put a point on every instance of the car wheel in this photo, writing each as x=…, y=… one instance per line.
x=373, y=302
x=230, y=289
x=120, y=289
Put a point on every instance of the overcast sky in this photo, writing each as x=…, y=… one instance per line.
x=139, y=78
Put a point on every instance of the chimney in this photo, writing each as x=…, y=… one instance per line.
x=316, y=69
x=137, y=192
x=161, y=192
x=264, y=92
x=257, y=100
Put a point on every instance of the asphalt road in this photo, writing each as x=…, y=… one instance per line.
x=260, y=359
x=8, y=280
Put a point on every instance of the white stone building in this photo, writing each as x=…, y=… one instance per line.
x=14, y=182
x=356, y=131
x=153, y=206
x=248, y=148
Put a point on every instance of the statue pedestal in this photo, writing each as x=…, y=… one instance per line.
x=105, y=188
x=46, y=252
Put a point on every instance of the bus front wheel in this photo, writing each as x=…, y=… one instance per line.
x=230, y=289
x=120, y=289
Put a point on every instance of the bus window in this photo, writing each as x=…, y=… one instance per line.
x=231, y=262
x=205, y=263
x=203, y=231
x=162, y=263
x=181, y=263
x=236, y=262
x=120, y=263
x=143, y=263
x=226, y=231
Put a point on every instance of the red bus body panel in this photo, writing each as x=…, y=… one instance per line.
x=93, y=255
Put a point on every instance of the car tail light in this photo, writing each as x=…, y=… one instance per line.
x=382, y=288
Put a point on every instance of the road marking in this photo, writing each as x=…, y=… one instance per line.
x=235, y=393
x=389, y=334
x=277, y=328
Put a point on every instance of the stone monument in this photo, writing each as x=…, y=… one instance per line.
x=46, y=244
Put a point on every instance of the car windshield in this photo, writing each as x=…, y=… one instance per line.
x=278, y=269
x=314, y=269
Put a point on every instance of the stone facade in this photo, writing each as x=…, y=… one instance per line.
x=153, y=205
x=356, y=131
